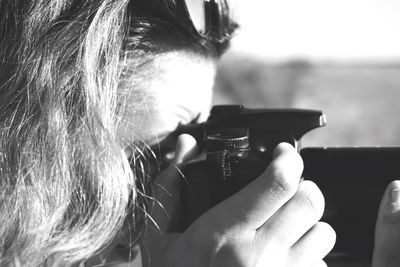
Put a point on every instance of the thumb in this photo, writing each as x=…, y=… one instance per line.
x=387, y=229
x=167, y=184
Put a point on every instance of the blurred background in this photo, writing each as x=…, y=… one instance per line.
x=341, y=57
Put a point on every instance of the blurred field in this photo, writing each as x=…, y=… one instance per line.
x=361, y=101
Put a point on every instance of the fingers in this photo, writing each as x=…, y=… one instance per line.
x=167, y=184
x=295, y=228
x=258, y=201
x=387, y=230
x=315, y=244
x=271, y=222
x=295, y=218
x=167, y=197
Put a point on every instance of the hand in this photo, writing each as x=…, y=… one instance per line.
x=271, y=222
x=387, y=230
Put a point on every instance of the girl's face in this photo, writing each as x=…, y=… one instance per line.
x=177, y=89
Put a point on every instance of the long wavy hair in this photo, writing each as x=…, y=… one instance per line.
x=66, y=185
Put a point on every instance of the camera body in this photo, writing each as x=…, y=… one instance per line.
x=238, y=144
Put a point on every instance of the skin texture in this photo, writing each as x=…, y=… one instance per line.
x=272, y=222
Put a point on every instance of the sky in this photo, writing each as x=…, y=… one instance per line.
x=319, y=29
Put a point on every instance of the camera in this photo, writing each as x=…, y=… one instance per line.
x=238, y=144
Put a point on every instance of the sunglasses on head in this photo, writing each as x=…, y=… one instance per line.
x=207, y=19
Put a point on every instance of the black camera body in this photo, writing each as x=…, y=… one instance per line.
x=238, y=144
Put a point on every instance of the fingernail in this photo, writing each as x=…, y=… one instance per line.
x=395, y=196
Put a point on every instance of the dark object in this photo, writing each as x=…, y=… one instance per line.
x=238, y=143
x=218, y=23
x=353, y=180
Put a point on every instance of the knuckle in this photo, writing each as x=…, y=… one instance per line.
x=204, y=241
x=312, y=199
x=285, y=173
x=282, y=185
x=233, y=251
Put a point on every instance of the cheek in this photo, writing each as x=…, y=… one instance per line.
x=183, y=91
